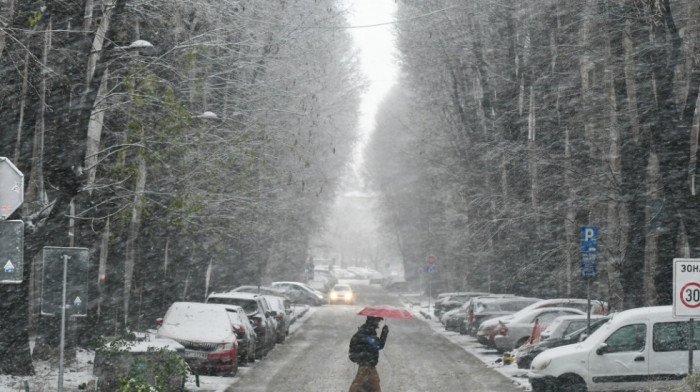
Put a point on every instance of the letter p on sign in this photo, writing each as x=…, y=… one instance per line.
x=589, y=234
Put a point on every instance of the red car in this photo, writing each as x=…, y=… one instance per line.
x=207, y=333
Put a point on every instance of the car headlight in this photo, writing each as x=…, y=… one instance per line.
x=334, y=295
x=348, y=296
x=541, y=364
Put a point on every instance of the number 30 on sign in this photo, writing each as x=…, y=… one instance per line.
x=686, y=288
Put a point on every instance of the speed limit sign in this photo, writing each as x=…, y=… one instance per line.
x=686, y=288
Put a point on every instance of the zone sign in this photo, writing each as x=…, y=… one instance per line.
x=686, y=288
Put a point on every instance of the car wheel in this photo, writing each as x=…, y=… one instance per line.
x=251, y=353
x=571, y=383
x=281, y=338
x=232, y=371
x=260, y=351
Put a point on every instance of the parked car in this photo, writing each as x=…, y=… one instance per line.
x=489, y=328
x=565, y=325
x=455, y=318
x=300, y=293
x=341, y=293
x=265, y=290
x=514, y=332
x=318, y=284
x=638, y=349
x=360, y=272
x=245, y=334
x=375, y=277
x=257, y=310
x=453, y=300
x=524, y=356
x=206, y=331
x=325, y=279
x=280, y=305
x=480, y=309
x=341, y=273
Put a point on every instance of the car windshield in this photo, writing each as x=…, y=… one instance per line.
x=595, y=324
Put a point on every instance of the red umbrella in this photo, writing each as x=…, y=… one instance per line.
x=385, y=311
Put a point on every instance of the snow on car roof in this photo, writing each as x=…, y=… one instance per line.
x=196, y=322
x=235, y=294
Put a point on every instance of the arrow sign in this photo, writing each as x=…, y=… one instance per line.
x=76, y=281
x=11, y=251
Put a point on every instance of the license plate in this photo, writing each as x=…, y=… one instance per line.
x=195, y=354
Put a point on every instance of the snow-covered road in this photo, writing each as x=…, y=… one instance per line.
x=416, y=358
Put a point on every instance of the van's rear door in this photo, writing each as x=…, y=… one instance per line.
x=622, y=363
x=668, y=360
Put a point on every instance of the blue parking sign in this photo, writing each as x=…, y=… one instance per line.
x=589, y=251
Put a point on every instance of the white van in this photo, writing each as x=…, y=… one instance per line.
x=638, y=349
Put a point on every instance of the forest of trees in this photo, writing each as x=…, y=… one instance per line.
x=190, y=146
x=517, y=122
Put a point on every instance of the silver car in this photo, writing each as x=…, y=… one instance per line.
x=516, y=331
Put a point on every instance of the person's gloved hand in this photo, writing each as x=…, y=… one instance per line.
x=385, y=330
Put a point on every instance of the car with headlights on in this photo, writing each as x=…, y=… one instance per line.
x=341, y=293
x=207, y=333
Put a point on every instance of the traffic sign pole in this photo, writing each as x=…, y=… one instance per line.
x=63, y=323
x=589, y=267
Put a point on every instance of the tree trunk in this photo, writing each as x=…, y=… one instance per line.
x=133, y=234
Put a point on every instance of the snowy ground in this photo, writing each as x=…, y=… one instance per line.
x=78, y=374
x=419, y=306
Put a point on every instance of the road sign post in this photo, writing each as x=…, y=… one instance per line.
x=589, y=267
x=686, y=297
x=430, y=269
x=64, y=288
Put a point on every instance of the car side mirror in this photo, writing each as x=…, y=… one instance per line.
x=602, y=349
x=582, y=337
x=159, y=321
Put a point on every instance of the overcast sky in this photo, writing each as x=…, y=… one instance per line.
x=372, y=29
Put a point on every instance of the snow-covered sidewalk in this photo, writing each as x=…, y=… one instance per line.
x=78, y=375
x=418, y=305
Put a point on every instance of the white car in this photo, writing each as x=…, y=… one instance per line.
x=283, y=315
x=638, y=349
x=565, y=325
x=514, y=332
x=300, y=293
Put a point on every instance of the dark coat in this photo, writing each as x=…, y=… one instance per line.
x=365, y=345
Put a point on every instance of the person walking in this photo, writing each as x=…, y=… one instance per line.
x=364, y=351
